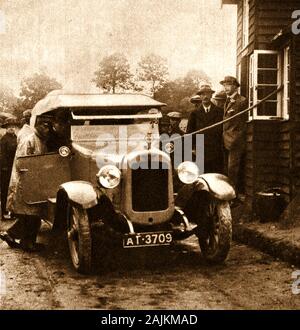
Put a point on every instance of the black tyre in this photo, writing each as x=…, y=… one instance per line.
x=215, y=233
x=79, y=239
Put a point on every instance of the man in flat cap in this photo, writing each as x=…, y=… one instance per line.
x=26, y=129
x=8, y=146
x=234, y=131
x=174, y=121
x=205, y=115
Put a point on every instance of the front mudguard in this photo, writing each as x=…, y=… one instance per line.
x=217, y=185
x=95, y=201
x=81, y=192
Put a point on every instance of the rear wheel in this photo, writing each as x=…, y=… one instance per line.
x=215, y=233
x=79, y=239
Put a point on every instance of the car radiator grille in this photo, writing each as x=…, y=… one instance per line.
x=149, y=189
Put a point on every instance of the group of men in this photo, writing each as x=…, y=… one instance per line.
x=224, y=144
x=48, y=134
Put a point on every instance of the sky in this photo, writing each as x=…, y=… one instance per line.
x=68, y=38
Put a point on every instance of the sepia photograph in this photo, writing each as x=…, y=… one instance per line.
x=149, y=158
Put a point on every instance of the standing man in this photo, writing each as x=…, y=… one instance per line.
x=234, y=131
x=205, y=115
x=8, y=146
x=26, y=129
x=27, y=226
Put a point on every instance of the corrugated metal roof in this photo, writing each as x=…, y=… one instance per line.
x=60, y=99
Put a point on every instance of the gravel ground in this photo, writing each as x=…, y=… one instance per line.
x=175, y=278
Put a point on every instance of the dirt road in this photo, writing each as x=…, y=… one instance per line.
x=172, y=279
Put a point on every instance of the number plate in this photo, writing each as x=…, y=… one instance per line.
x=147, y=239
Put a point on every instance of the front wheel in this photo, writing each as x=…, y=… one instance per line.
x=215, y=233
x=79, y=239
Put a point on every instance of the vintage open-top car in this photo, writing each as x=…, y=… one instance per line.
x=114, y=175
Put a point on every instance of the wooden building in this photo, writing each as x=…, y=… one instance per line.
x=268, y=56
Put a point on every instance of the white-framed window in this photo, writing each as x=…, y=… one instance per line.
x=264, y=78
x=245, y=39
x=286, y=82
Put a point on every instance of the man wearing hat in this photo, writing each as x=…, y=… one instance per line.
x=219, y=99
x=234, y=131
x=8, y=146
x=26, y=129
x=196, y=100
x=205, y=115
x=27, y=226
x=174, y=121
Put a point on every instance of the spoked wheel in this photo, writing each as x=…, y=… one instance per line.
x=215, y=233
x=79, y=239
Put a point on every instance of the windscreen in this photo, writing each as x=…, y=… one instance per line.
x=120, y=139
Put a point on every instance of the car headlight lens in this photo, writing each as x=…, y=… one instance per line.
x=109, y=176
x=188, y=172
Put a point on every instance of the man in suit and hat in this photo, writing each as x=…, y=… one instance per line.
x=205, y=115
x=8, y=146
x=234, y=131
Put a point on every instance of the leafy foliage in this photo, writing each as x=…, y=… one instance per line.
x=35, y=88
x=153, y=69
x=7, y=99
x=177, y=93
x=114, y=74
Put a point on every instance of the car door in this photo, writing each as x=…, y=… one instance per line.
x=41, y=175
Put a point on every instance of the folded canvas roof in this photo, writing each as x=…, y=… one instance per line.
x=59, y=99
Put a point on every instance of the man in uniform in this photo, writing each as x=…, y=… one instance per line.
x=8, y=146
x=205, y=115
x=234, y=131
x=27, y=226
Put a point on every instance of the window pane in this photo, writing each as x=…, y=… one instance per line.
x=267, y=77
x=267, y=109
x=267, y=61
x=263, y=91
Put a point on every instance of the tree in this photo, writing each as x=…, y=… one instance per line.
x=153, y=69
x=114, y=73
x=7, y=99
x=176, y=93
x=196, y=78
x=35, y=88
